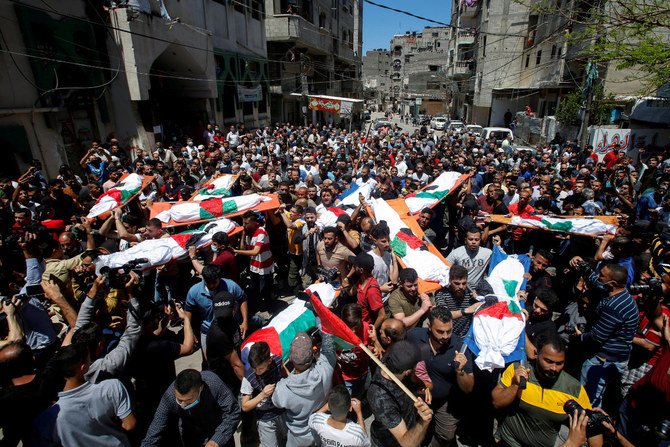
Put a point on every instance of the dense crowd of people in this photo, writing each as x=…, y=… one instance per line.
x=87, y=357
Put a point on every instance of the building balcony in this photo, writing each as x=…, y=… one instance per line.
x=461, y=69
x=466, y=38
x=344, y=51
x=294, y=28
x=468, y=12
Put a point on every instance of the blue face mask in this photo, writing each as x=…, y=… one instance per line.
x=191, y=405
x=215, y=248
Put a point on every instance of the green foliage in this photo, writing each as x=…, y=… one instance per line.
x=567, y=112
x=624, y=33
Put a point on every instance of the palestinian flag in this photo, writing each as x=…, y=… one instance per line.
x=281, y=330
x=585, y=226
x=203, y=235
x=116, y=196
x=437, y=190
x=217, y=188
x=209, y=209
x=496, y=335
x=331, y=324
x=406, y=245
x=350, y=200
x=506, y=274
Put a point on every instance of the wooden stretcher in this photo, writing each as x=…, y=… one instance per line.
x=210, y=181
x=158, y=207
x=400, y=207
x=146, y=180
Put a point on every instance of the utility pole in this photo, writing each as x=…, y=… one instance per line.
x=305, y=87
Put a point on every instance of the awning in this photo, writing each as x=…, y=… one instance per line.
x=652, y=110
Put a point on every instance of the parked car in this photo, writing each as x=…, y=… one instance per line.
x=474, y=129
x=379, y=124
x=438, y=123
x=525, y=149
x=497, y=133
x=456, y=126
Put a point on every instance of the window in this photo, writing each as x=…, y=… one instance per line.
x=433, y=67
x=433, y=85
x=240, y=5
x=407, y=59
x=560, y=50
x=484, y=47
x=527, y=60
x=438, y=44
x=553, y=51
x=322, y=20
x=257, y=9
x=435, y=34
x=538, y=58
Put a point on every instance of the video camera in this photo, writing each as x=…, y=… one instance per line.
x=653, y=286
x=34, y=291
x=116, y=278
x=329, y=275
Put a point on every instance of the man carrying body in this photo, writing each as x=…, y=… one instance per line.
x=405, y=303
x=471, y=256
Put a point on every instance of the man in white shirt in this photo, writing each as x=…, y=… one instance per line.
x=233, y=137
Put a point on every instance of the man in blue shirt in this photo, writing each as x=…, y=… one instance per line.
x=610, y=338
x=200, y=296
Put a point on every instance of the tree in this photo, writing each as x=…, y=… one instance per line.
x=567, y=112
x=625, y=33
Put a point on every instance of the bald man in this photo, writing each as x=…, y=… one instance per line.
x=391, y=331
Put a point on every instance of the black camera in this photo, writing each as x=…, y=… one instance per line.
x=329, y=275
x=596, y=419
x=572, y=328
x=654, y=286
x=116, y=278
x=582, y=267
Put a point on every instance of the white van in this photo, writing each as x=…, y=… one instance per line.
x=499, y=133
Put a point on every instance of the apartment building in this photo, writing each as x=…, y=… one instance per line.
x=376, y=66
x=76, y=72
x=314, y=48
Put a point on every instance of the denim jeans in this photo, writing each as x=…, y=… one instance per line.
x=272, y=433
x=597, y=373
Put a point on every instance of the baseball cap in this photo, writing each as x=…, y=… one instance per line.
x=363, y=260
x=402, y=356
x=301, y=352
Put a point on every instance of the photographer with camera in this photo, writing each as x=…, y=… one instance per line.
x=88, y=331
x=610, y=338
x=531, y=412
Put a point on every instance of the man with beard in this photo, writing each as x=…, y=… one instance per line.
x=458, y=299
x=331, y=254
x=472, y=256
x=425, y=219
x=447, y=368
x=539, y=321
x=535, y=414
x=405, y=303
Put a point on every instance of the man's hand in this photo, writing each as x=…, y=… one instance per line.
x=611, y=430
x=98, y=285
x=86, y=224
x=577, y=435
x=268, y=390
x=574, y=262
x=522, y=295
x=341, y=226
x=181, y=313
x=462, y=360
x=474, y=307
x=244, y=326
x=51, y=291
x=9, y=308
x=356, y=406
x=118, y=212
x=426, y=305
x=519, y=372
x=424, y=411
x=313, y=230
x=191, y=252
x=132, y=281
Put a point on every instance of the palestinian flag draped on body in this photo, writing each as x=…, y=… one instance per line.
x=327, y=217
x=209, y=209
x=436, y=190
x=281, y=330
x=584, y=226
x=116, y=196
x=161, y=251
x=218, y=188
x=408, y=247
x=496, y=335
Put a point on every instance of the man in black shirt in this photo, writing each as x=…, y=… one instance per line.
x=223, y=342
x=398, y=421
x=538, y=277
x=446, y=367
x=539, y=320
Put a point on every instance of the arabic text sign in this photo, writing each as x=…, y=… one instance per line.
x=325, y=105
x=604, y=140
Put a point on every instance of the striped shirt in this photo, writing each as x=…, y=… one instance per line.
x=615, y=326
x=352, y=435
x=262, y=262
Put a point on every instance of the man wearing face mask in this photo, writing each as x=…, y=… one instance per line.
x=610, y=338
x=535, y=413
x=204, y=409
